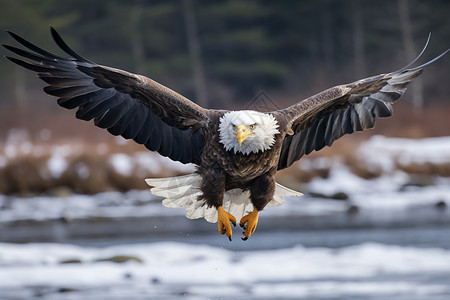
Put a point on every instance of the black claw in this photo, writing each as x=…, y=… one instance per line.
x=245, y=238
x=229, y=238
x=234, y=224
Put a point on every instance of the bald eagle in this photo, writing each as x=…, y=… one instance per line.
x=237, y=153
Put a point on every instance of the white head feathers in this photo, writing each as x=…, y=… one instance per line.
x=262, y=128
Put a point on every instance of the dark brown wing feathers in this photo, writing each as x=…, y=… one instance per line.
x=141, y=109
x=323, y=118
x=124, y=103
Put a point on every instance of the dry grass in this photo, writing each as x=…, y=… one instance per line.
x=427, y=168
x=86, y=170
x=22, y=175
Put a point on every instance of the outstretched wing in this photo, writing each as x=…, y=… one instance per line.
x=124, y=103
x=318, y=121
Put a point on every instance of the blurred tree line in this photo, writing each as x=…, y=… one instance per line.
x=221, y=53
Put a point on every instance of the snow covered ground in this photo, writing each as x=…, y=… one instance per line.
x=175, y=270
x=393, y=188
x=385, y=195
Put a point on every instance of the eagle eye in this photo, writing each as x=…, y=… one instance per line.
x=252, y=127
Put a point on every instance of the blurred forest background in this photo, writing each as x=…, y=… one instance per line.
x=220, y=54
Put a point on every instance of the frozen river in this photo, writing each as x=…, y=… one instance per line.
x=328, y=252
x=401, y=264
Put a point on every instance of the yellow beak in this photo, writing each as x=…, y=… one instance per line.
x=242, y=134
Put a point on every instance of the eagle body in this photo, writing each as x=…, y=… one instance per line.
x=237, y=153
x=227, y=170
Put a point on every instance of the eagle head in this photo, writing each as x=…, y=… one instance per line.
x=247, y=131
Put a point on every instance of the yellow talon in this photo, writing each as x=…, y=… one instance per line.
x=252, y=221
x=223, y=221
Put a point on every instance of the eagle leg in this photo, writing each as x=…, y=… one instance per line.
x=252, y=221
x=223, y=222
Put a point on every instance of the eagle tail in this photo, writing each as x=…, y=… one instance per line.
x=184, y=191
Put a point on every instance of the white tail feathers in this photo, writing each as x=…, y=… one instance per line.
x=183, y=191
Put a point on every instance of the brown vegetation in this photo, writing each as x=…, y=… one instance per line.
x=84, y=171
x=90, y=172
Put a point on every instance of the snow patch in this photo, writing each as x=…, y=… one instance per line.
x=57, y=165
x=383, y=151
x=293, y=272
x=122, y=163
